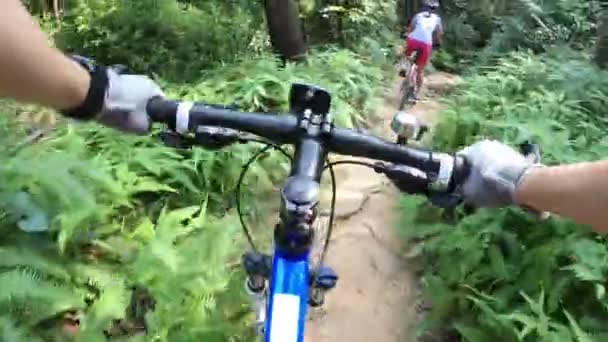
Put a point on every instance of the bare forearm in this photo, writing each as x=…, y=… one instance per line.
x=31, y=70
x=578, y=191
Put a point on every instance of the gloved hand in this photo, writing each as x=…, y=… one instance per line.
x=116, y=100
x=496, y=172
x=124, y=107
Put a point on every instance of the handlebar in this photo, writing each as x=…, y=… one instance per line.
x=184, y=117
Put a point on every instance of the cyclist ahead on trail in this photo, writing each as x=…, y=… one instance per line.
x=38, y=73
x=424, y=30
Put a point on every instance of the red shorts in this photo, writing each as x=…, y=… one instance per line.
x=424, y=53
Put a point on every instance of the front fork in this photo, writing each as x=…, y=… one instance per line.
x=259, y=268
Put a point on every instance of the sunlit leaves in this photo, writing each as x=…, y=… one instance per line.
x=524, y=280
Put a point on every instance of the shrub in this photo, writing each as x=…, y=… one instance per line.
x=175, y=39
x=479, y=32
x=501, y=274
x=136, y=240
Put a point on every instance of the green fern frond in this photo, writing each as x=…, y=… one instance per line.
x=31, y=298
x=14, y=257
x=111, y=305
x=10, y=332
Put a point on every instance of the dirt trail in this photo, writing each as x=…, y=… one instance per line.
x=375, y=298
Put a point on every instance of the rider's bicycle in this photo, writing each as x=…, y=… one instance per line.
x=409, y=86
x=283, y=285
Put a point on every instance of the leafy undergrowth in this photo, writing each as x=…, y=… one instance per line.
x=106, y=235
x=502, y=275
x=260, y=85
x=176, y=39
x=480, y=32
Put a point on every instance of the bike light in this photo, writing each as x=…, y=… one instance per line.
x=406, y=125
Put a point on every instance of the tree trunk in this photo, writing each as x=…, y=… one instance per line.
x=285, y=29
x=56, y=9
x=406, y=9
x=601, y=53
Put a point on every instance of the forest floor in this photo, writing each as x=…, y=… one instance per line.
x=376, y=295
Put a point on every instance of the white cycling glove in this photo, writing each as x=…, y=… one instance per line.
x=124, y=107
x=116, y=100
x=496, y=172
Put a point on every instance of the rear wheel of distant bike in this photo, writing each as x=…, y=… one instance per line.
x=408, y=87
x=411, y=94
x=403, y=91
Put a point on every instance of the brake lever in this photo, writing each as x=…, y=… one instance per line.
x=215, y=138
x=209, y=137
x=414, y=181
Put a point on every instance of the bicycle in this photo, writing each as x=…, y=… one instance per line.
x=283, y=285
x=408, y=88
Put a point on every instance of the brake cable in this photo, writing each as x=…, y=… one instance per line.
x=332, y=210
x=329, y=165
x=352, y=162
x=242, y=177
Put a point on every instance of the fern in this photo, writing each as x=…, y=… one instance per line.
x=131, y=238
x=27, y=296
x=504, y=255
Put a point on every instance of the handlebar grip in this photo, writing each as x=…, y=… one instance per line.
x=162, y=110
x=531, y=151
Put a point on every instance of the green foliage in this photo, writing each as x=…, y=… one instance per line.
x=260, y=85
x=180, y=39
x=115, y=237
x=115, y=219
x=175, y=39
x=134, y=240
x=502, y=274
x=498, y=27
x=346, y=23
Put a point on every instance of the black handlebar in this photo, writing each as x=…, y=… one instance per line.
x=358, y=144
x=278, y=128
x=286, y=129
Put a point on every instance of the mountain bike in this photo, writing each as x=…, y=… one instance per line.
x=408, y=88
x=283, y=285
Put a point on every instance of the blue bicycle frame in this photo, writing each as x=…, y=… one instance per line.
x=290, y=276
x=288, y=298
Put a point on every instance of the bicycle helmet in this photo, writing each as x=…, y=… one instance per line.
x=430, y=4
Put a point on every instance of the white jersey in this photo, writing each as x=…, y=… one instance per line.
x=425, y=23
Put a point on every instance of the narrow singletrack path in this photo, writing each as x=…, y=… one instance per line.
x=375, y=299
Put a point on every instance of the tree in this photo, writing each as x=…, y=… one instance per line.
x=601, y=53
x=285, y=29
x=44, y=6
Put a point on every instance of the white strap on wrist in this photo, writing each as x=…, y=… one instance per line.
x=182, y=117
